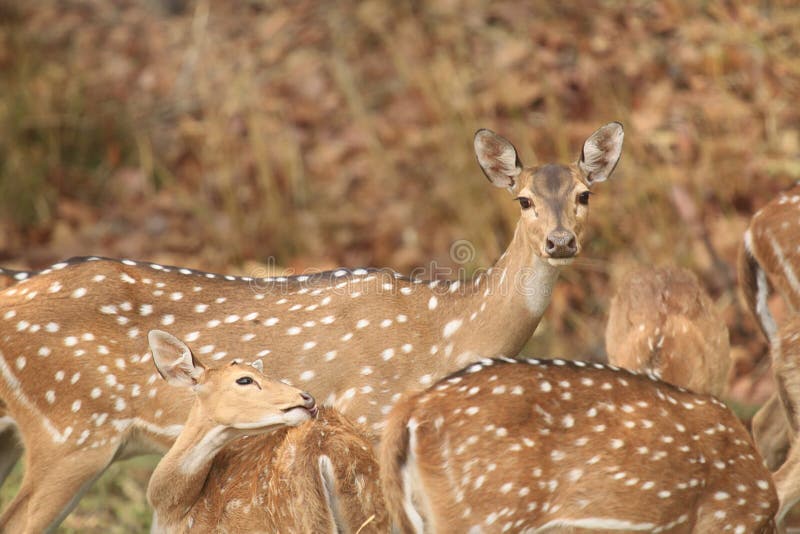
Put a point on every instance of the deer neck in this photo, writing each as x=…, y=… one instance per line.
x=504, y=306
x=179, y=478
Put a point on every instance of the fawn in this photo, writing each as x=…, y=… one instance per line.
x=257, y=455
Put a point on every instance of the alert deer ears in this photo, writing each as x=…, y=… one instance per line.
x=174, y=360
x=601, y=153
x=498, y=159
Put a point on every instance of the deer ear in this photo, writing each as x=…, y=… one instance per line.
x=498, y=158
x=174, y=361
x=601, y=153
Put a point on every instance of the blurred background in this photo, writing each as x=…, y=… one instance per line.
x=239, y=136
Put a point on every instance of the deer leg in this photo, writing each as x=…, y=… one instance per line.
x=10, y=447
x=771, y=432
x=787, y=483
x=54, y=482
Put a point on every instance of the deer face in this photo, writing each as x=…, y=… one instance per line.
x=241, y=397
x=236, y=396
x=554, y=199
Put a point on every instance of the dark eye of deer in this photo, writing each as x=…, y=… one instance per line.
x=583, y=198
x=525, y=202
x=244, y=381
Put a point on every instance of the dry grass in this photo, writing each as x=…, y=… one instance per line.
x=220, y=134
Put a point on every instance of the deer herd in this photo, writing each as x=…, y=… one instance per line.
x=362, y=401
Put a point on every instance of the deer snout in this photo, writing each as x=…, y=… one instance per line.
x=561, y=244
x=309, y=403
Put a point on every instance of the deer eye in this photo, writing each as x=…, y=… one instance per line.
x=525, y=202
x=583, y=198
x=244, y=381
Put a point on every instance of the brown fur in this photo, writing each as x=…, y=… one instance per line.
x=242, y=464
x=393, y=456
x=786, y=365
x=768, y=260
x=770, y=246
x=272, y=483
x=355, y=339
x=662, y=320
x=748, y=271
x=498, y=437
x=9, y=278
x=771, y=432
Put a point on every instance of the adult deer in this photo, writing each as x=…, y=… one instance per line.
x=768, y=259
x=661, y=320
x=320, y=476
x=566, y=446
x=74, y=367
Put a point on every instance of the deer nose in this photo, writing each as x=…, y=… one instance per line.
x=561, y=244
x=308, y=400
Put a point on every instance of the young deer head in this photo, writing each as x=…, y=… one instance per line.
x=242, y=449
x=237, y=397
x=554, y=198
x=73, y=349
x=546, y=446
x=661, y=320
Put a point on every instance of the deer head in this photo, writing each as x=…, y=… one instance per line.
x=554, y=198
x=235, y=396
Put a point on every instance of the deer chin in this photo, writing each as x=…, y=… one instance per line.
x=299, y=414
x=290, y=417
x=560, y=262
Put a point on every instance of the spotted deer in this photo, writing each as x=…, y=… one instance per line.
x=256, y=455
x=569, y=446
x=768, y=260
x=661, y=320
x=74, y=364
